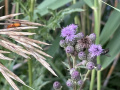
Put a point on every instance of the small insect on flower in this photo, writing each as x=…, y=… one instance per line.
x=105, y=52
x=14, y=25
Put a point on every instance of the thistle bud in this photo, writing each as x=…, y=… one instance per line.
x=69, y=83
x=56, y=85
x=79, y=47
x=80, y=82
x=92, y=37
x=98, y=67
x=90, y=65
x=62, y=43
x=69, y=49
x=75, y=75
x=71, y=43
x=81, y=55
x=79, y=36
x=91, y=58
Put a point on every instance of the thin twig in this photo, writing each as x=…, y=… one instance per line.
x=110, y=71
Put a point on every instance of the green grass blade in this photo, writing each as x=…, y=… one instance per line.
x=110, y=27
x=114, y=46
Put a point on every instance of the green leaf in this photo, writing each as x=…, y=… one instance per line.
x=90, y=3
x=114, y=46
x=110, y=27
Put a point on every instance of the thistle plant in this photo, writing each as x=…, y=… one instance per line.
x=83, y=51
x=29, y=47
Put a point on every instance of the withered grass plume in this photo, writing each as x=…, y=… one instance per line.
x=30, y=47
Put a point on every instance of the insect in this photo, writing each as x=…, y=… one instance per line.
x=14, y=25
x=105, y=52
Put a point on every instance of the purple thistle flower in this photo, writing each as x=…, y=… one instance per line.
x=75, y=75
x=56, y=85
x=69, y=32
x=95, y=50
x=69, y=83
x=73, y=26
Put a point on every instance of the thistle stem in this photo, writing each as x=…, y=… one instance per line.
x=76, y=19
x=31, y=11
x=97, y=16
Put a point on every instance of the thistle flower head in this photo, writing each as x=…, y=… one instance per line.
x=75, y=75
x=69, y=32
x=56, y=85
x=69, y=83
x=84, y=42
x=95, y=50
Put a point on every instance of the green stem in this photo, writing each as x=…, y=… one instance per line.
x=85, y=78
x=97, y=17
x=30, y=72
x=92, y=80
x=31, y=11
x=76, y=19
x=17, y=9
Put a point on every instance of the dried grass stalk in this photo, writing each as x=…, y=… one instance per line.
x=9, y=16
x=17, y=29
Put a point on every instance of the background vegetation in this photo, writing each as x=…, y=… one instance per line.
x=56, y=14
